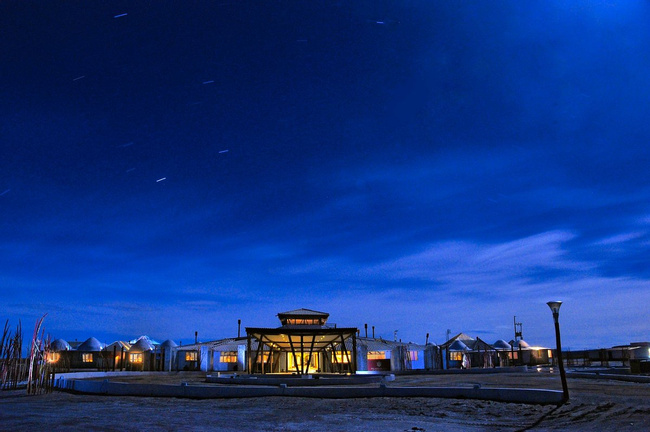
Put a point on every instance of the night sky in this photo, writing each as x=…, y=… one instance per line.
x=417, y=165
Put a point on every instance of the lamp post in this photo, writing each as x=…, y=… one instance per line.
x=555, y=307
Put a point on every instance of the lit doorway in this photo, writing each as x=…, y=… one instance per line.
x=300, y=359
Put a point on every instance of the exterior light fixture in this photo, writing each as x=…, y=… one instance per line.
x=555, y=308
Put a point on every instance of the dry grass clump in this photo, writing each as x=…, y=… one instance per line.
x=35, y=371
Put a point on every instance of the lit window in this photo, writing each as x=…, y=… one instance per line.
x=413, y=355
x=229, y=357
x=300, y=360
x=87, y=357
x=191, y=356
x=455, y=356
x=304, y=321
x=263, y=358
x=136, y=357
x=52, y=357
x=342, y=357
x=376, y=355
x=550, y=353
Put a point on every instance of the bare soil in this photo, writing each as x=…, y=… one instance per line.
x=598, y=405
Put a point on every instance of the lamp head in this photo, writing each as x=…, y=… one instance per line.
x=555, y=306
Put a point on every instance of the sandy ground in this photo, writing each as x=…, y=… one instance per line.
x=598, y=405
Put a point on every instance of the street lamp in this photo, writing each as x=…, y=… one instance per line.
x=555, y=307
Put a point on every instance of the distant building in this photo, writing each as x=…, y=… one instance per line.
x=306, y=344
x=525, y=354
x=167, y=350
x=636, y=356
x=142, y=354
x=118, y=351
x=463, y=352
x=87, y=355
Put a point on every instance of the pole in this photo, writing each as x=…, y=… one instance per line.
x=560, y=362
x=249, y=361
x=238, y=328
x=354, y=356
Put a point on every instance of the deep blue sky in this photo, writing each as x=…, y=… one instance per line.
x=415, y=165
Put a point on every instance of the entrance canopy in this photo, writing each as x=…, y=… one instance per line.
x=283, y=339
x=306, y=342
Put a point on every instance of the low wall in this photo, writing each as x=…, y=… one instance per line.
x=292, y=381
x=470, y=371
x=528, y=396
x=96, y=374
x=611, y=376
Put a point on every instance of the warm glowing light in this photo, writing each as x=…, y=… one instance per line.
x=87, y=357
x=304, y=321
x=191, y=356
x=342, y=357
x=136, y=357
x=263, y=358
x=228, y=357
x=455, y=356
x=301, y=358
x=52, y=357
x=376, y=355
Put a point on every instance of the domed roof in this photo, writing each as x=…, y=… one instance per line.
x=458, y=345
x=91, y=344
x=501, y=345
x=151, y=341
x=521, y=344
x=142, y=345
x=118, y=345
x=60, y=345
x=168, y=344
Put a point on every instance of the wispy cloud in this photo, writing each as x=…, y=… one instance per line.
x=468, y=262
x=463, y=284
x=621, y=238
